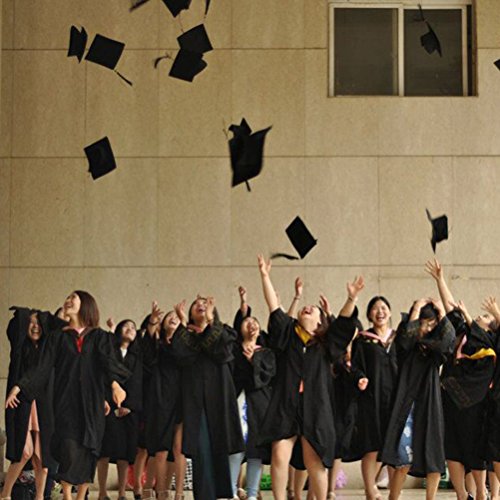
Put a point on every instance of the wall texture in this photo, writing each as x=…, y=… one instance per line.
x=166, y=224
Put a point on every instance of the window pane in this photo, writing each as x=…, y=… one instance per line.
x=366, y=51
x=429, y=74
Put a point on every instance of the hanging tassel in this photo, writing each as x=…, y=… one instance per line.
x=248, y=186
x=284, y=255
x=136, y=4
x=207, y=5
x=123, y=78
x=158, y=59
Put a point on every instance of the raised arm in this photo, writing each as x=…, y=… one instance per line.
x=299, y=287
x=434, y=268
x=267, y=286
x=353, y=290
x=242, y=291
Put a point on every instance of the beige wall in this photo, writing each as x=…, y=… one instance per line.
x=166, y=224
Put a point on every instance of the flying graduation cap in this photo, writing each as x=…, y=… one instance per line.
x=100, y=157
x=174, y=6
x=439, y=229
x=301, y=238
x=430, y=42
x=106, y=52
x=246, y=151
x=77, y=42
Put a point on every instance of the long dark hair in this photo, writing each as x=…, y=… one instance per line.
x=190, y=317
x=89, y=312
x=373, y=301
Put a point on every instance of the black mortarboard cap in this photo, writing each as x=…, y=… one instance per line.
x=106, y=52
x=497, y=63
x=439, y=229
x=430, y=41
x=175, y=6
x=77, y=42
x=247, y=151
x=195, y=40
x=187, y=65
x=101, y=158
x=301, y=238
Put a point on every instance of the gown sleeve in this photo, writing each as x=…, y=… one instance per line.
x=238, y=318
x=442, y=339
x=280, y=326
x=113, y=369
x=477, y=339
x=264, y=368
x=134, y=387
x=358, y=363
x=339, y=334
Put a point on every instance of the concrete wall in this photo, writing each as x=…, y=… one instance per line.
x=166, y=224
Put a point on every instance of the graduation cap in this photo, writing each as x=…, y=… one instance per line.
x=175, y=6
x=106, y=52
x=246, y=151
x=497, y=63
x=430, y=41
x=302, y=240
x=100, y=157
x=187, y=65
x=195, y=40
x=77, y=42
x=439, y=229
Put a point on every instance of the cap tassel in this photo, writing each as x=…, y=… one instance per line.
x=123, y=78
x=158, y=59
x=284, y=255
x=249, y=189
x=136, y=4
x=207, y=6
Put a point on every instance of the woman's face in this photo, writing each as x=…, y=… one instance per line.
x=129, y=332
x=484, y=320
x=380, y=314
x=427, y=325
x=199, y=311
x=170, y=322
x=72, y=305
x=309, y=318
x=250, y=329
x=34, y=330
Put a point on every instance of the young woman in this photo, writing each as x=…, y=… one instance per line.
x=301, y=404
x=203, y=348
x=84, y=363
x=465, y=379
x=415, y=436
x=374, y=366
x=119, y=445
x=30, y=424
x=163, y=429
x=254, y=367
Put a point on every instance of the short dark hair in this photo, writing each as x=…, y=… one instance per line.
x=89, y=312
x=190, y=317
x=428, y=312
x=373, y=301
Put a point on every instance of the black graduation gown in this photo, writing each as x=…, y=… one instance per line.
x=121, y=433
x=24, y=358
x=465, y=383
x=255, y=378
x=207, y=389
x=377, y=362
x=163, y=397
x=80, y=379
x=309, y=413
x=493, y=411
x=419, y=359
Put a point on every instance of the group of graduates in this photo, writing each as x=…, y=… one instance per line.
x=314, y=390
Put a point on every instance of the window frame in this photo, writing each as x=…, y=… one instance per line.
x=401, y=6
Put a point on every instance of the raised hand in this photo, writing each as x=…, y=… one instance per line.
x=434, y=268
x=490, y=305
x=299, y=287
x=110, y=322
x=438, y=305
x=180, y=310
x=243, y=294
x=12, y=400
x=355, y=287
x=248, y=352
x=264, y=267
x=156, y=313
x=210, y=309
x=325, y=305
x=107, y=408
x=363, y=383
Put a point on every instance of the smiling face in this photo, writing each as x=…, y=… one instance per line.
x=250, y=329
x=71, y=306
x=485, y=320
x=309, y=318
x=128, y=332
x=170, y=322
x=379, y=314
x=198, y=311
x=34, y=329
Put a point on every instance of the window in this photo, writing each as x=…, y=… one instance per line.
x=376, y=48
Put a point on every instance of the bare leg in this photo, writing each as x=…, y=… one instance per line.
x=369, y=471
x=40, y=476
x=432, y=485
x=299, y=481
x=332, y=478
x=102, y=476
x=398, y=480
x=122, y=467
x=457, y=476
x=13, y=472
x=139, y=465
x=480, y=481
x=170, y=474
x=290, y=483
x=161, y=474
x=494, y=486
x=318, y=477
x=180, y=462
x=66, y=487
x=281, y=453
x=82, y=491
